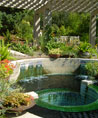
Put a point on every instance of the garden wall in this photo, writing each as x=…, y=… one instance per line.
x=60, y=65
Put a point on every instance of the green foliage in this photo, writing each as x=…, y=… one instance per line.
x=7, y=22
x=17, y=22
x=43, y=43
x=84, y=47
x=7, y=37
x=23, y=48
x=15, y=100
x=24, y=30
x=93, y=52
x=84, y=37
x=51, y=32
x=6, y=89
x=57, y=51
x=69, y=50
x=61, y=48
x=72, y=24
x=62, y=31
x=1, y=20
x=52, y=44
x=97, y=41
x=92, y=68
x=60, y=18
x=4, y=52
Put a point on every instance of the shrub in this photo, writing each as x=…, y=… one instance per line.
x=69, y=50
x=23, y=48
x=7, y=37
x=62, y=31
x=43, y=43
x=93, y=52
x=92, y=68
x=24, y=30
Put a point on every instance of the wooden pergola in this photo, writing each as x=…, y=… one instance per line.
x=46, y=7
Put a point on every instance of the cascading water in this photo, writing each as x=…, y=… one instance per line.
x=39, y=73
x=39, y=68
x=30, y=70
x=22, y=71
x=83, y=90
x=82, y=69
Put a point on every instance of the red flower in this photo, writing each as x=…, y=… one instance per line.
x=5, y=61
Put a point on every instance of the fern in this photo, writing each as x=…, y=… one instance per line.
x=4, y=52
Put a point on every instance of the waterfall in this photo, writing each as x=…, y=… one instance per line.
x=39, y=68
x=39, y=73
x=83, y=91
x=30, y=70
x=82, y=69
x=22, y=71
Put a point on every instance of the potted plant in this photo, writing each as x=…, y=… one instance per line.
x=55, y=53
x=84, y=49
x=18, y=102
x=69, y=50
x=12, y=99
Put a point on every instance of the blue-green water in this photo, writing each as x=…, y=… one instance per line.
x=66, y=98
x=68, y=101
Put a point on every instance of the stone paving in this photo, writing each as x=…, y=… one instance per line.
x=27, y=115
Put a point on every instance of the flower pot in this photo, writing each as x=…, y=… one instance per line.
x=85, y=55
x=67, y=56
x=23, y=107
x=54, y=55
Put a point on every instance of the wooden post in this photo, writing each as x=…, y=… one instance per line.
x=92, y=31
x=36, y=27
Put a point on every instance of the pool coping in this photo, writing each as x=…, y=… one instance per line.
x=80, y=108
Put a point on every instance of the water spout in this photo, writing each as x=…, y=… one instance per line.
x=39, y=68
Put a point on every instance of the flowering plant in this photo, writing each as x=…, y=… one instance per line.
x=15, y=100
x=6, y=68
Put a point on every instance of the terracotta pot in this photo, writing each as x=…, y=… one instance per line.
x=54, y=55
x=67, y=56
x=23, y=108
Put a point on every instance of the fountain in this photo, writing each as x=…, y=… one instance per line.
x=51, y=88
